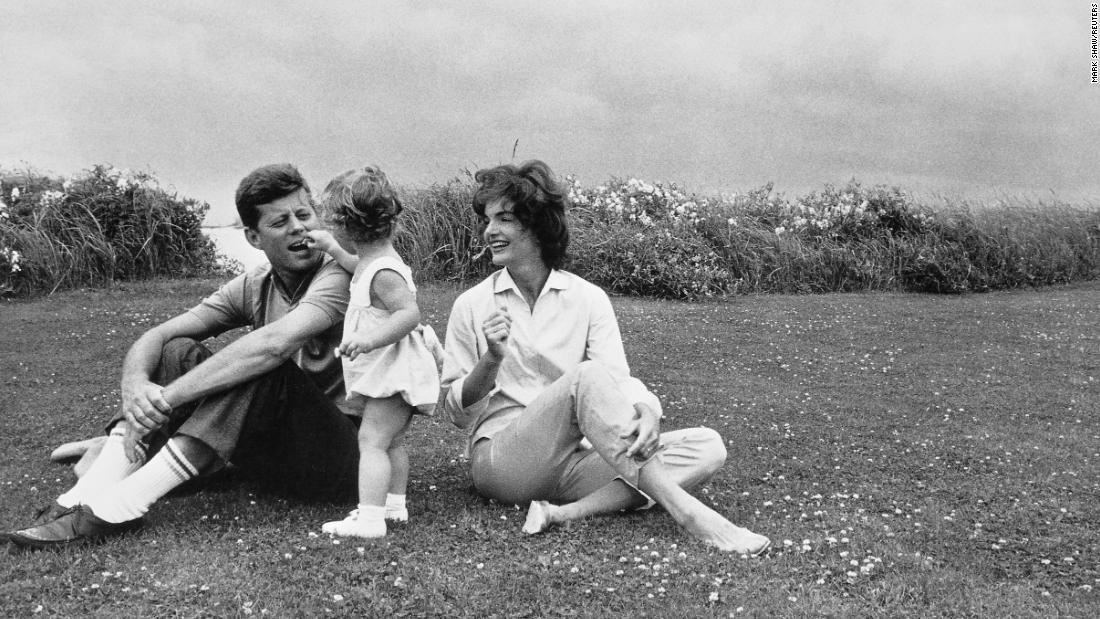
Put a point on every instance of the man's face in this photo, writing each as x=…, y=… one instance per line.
x=280, y=233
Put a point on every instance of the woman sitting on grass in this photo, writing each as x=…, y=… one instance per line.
x=536, y=366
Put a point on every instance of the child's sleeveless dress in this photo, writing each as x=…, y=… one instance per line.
x=408, y=367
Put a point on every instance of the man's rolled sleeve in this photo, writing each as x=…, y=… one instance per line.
x=227, y=307
x=329, y=291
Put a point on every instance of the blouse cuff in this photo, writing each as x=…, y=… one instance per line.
x=461, y=416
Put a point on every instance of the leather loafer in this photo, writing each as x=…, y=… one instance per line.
x=50, y=513
x=75, y=526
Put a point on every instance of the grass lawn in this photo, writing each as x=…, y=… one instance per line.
x=908, y=454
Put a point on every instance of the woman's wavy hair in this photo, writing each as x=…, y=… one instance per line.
x=363, y=203
x=538, y=201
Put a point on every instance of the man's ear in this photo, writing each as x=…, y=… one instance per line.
x=252, y=237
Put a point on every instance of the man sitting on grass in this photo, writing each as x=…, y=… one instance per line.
x=271, y=400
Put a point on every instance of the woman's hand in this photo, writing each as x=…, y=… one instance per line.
x=497, y=327
x=646, y=428
x=482, y=378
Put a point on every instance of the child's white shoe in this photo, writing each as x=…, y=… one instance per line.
x=330, y=527
x=356, y=526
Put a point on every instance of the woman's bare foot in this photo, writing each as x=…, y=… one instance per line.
x=710, y=527
x=538, y=517
x=695, y=517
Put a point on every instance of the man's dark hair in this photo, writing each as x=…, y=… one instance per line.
x=266, y=184
x=538, y=202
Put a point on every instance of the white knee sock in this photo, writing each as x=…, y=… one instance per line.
x=109, y=468
x=132, y=497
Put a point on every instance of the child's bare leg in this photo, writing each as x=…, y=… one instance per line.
x=399, y=465
x=396, y=508
x=383, y=420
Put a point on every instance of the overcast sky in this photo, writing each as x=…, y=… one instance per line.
x=968, y=98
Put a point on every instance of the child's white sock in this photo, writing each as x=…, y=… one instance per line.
x=111, y=467
x=366, y=521
x=396, y=509
x=133, y=496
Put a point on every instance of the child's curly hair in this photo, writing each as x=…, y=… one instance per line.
x=363, y=203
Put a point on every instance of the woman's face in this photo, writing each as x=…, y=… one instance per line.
x=511, y=243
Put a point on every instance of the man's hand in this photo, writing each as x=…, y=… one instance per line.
x=497, y=327
x=646, y=428
x=144, y=406
x=130, y=444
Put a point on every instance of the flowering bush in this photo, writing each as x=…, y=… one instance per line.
x=102, y=225
x=640, y=238
x=652, y=262
x=854, y=212
x=630, y=236
x=10, y=268
x=637, y=202
x=10, y=259
x=636, y=237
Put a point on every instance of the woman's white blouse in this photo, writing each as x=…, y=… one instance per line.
x=572, y=321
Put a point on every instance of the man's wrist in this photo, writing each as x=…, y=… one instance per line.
x=169, y=398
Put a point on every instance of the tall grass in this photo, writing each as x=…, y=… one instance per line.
x=647, y=239
x=629, y=236
x=103, y=226
x=439, y=233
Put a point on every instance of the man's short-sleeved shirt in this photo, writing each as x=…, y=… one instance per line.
x=257, y=298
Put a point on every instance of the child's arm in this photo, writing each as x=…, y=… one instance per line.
x=389, y=292
x=324, y=241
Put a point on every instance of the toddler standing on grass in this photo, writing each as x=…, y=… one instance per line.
x=390, y=361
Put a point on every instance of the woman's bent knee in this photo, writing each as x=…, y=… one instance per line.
x=590, y=374
x=712, y=450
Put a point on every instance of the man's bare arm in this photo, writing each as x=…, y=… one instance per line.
x=252, y=355
x=143, y=403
